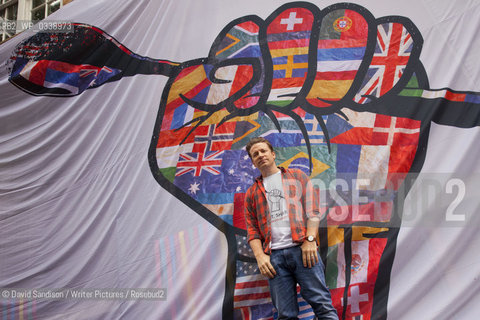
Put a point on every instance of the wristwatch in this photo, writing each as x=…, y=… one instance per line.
x=310, y=238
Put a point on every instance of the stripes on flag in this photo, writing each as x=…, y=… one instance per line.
x=55, y=75
x=251, y=290
x=315, y=131
x=341, y=49
x=288, y=38
x=197, y=162
x=388, y=146
x=195, y=154
x=192, y=82
x=380, y=130
x=252, y=313
x=240, y=41
x=237, y=41
x=446, y=94
x=392, y=53
x=252, y=293
x=305, y=310
x=366, y=250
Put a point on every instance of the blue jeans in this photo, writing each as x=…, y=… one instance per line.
x=283, y=287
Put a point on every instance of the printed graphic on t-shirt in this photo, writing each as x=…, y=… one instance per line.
x=280, y=222
x=274, y=202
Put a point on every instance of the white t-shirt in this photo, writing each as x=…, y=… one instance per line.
x=280, y=222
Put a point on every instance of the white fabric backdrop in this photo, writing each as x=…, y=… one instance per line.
x=79, y=206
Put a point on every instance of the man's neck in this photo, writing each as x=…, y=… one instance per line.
x=269, y=171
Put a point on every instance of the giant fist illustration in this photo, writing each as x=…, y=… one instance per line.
x=340, y=94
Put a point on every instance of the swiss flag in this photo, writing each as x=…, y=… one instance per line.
x=364, y=271
x=292, y=20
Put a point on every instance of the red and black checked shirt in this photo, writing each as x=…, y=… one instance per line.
x=301, y=201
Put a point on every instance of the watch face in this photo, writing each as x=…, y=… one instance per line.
x=310, y=238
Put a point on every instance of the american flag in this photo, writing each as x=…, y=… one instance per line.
x=252, y=295
x=394, y=45
x=251, y=288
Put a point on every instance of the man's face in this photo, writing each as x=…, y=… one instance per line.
x=262, y=157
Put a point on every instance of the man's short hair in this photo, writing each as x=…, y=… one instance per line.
x=255, y=141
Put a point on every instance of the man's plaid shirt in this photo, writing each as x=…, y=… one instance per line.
x=301, y=201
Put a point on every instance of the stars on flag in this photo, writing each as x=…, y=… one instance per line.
x=194, y=187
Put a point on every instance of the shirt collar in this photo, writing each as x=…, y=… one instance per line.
x=260, y=178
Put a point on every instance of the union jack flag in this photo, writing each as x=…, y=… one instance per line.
x=394, y=46
x=199, y=161
x=87, y=70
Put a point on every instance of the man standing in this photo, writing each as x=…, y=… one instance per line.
x=282, y=223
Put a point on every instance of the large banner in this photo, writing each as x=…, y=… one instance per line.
x=123, y=127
